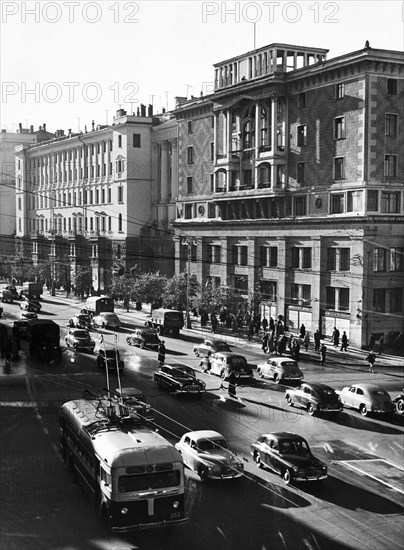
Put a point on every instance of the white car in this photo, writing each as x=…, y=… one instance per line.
x=206, y=452
x=367, y=398
x=107, y=320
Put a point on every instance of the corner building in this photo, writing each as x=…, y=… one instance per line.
x=290, y=181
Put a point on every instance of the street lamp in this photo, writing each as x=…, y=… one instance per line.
x=189, y=242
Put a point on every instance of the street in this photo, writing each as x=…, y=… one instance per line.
x=360, y=505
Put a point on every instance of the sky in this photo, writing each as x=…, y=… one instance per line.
x=66, y=63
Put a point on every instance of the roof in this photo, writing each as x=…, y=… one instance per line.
x=283, y=435
x=205, y=434
x=367, y=386
x=317, y=385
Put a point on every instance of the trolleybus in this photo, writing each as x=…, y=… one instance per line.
x=132, y=474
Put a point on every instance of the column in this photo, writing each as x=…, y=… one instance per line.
x=257, y=141
x=215, y=132
x=274, y=121
x=164, y=171
x=282, y=290
x=229, y=135
x=225, y=116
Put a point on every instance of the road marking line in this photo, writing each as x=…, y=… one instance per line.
x=347, y=463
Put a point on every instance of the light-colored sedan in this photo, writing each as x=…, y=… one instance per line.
x=209, y=346
x=367, y=398
x=79, y=339
x=206, y=452
x=280, y=369
x=107, y=320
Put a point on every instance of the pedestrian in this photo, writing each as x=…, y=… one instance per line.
x=204, y=319
x=381, y=345
x=335, y=337
x=282, y=341
x=205, y=364
x=295, y=349
x=302, y=331
x=213, y=322
x=271, y=324
x=232, y=380
x=306, y=341
x=264, y=340
x=264, y=324
x=317, y=338
x=161, y=353
x=371, y=358
x=344, y=342
x=250, y=330
x=271, y=344
x=323, y=354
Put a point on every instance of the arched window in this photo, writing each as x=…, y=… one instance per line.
x=247, y=135
x=263, y=128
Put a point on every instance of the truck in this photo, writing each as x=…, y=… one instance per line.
x=6, y=295
x=43, y=336
x=32, y=290
x=98, y=304
x=166, y=320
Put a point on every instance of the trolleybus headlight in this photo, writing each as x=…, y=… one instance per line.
x=176, y=504
x=124, y=511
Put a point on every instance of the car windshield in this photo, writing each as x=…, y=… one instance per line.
x=182, y=372
x=83, y=318
x=109, y=316
x=238, y=361
x=211, y=444
x=294, y=447
x=327, y=393
x=80, y=334
x=110, y=353
x=379, y=393
x=221, y=346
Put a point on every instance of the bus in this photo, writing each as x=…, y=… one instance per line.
x=98, y=304
x=133, y=476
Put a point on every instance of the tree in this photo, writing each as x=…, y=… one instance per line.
x=83, y=280
x=123, y=287
x=149, y=287
x=177, y=292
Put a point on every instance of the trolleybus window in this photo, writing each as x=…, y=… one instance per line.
x=126, y=484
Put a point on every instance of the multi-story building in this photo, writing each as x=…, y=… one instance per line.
x=291, y=180
x=8, y=143
x=89, y=198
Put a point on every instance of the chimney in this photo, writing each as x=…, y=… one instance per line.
x=31, y=129
x=164, y=110
x=150, y=110
x=138, y=112
x=92, y=125
x=142, y=110
x=70, y=132
x=20, y=126
x=85, y=129
x=120, y=112
x=44, y=127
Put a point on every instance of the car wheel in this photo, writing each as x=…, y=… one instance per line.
x=129, y=341
x=203, y=474
x=257, y=460
x=287, y=476
x=400, y=406
x=196, y=352
x=289, y=400
x=222, y=375
x=276, y=378
x=311, y=410
x=103, y=325
x=67, y=344
x=363, y=410
x=260, y=373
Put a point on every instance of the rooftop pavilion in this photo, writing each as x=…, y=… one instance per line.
x=265, y=61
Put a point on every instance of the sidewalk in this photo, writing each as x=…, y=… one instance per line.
x=334, y=355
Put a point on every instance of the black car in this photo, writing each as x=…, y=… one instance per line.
x=112, y=357
x=20, y=328
x=288, y=455
x=179, y=379
x=315, y=398
x=144, y=338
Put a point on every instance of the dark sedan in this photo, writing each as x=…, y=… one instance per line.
x=209, y=346
x=315, y=398
x=144, y=338
x=288, y=455
x=180, y=380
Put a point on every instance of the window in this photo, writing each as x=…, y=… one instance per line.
x=212, y=151
x=136, y=140
x=190, y=127
x=269, y=256
x=300, y=172
x=119, y=166
x=339, y=128
x=120, y=193
x=268, y=290
x=102, y=196
x=390, y=166
x=396, y=259
x=396, y=300
x=339, y=168
x=214, y=253
x=300, y=294
x=119, y=140
x=337, y=203
x=300, y=206
x=119, y=222
x=344, y=299
x=19, y=203
x=392, y=86
x=109, y=223
x=391, y=124
x=379, y=300
x=339, y=91
x=189, y=185
x=390, y=202
x=97, y=197
x=373, y=200
x=109, y=194
x=240, y=285
x=379, y=259
x=344, y=259
x=189, y=211
x=331, y=259
x=306, y=258
x=190, y=155
x=301, y=135
x=301, y=99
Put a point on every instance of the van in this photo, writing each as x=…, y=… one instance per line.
x=222, y=363
x=166, y=320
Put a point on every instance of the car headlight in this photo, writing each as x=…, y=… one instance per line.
x=295, y=469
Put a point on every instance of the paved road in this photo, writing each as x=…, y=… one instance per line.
x=359, y=506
